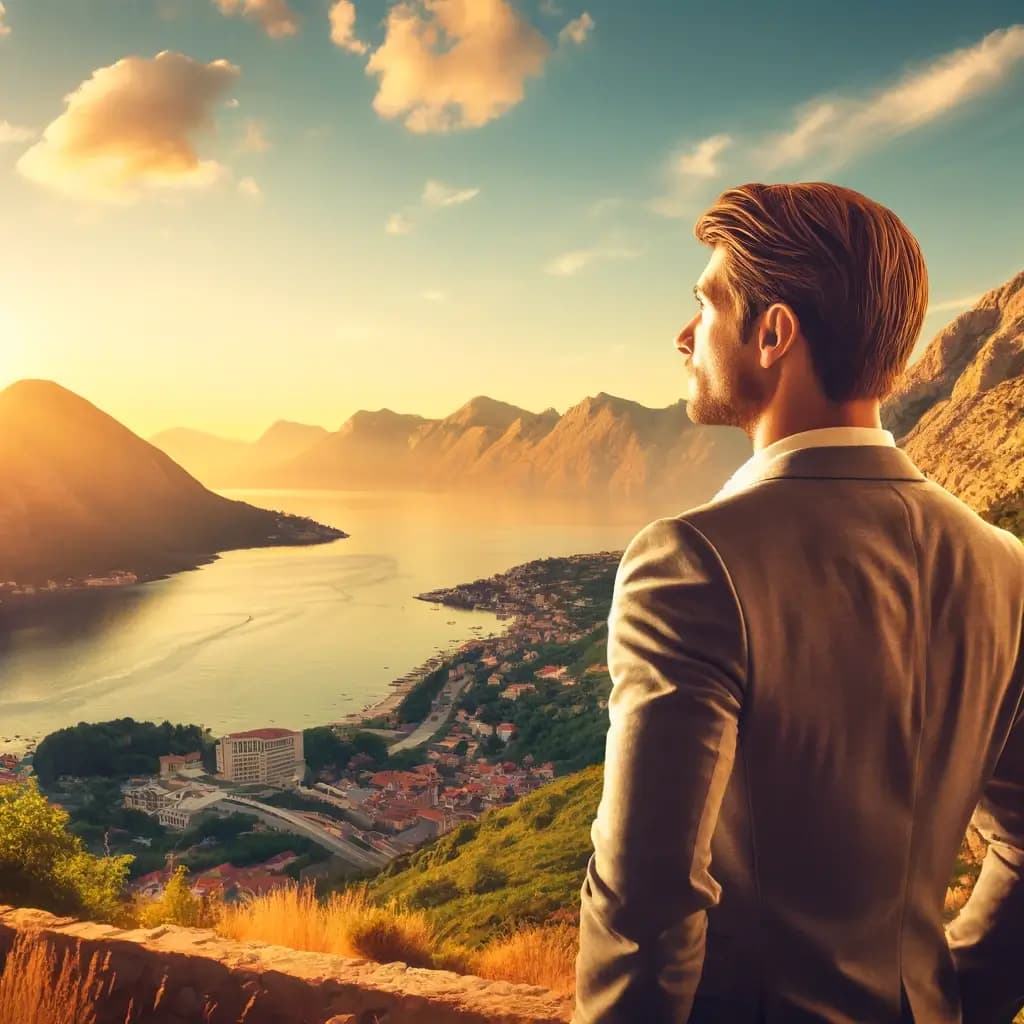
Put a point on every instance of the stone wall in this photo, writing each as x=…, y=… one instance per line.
x=173, y=975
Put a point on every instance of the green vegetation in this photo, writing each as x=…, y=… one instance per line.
x=42, y=864
x=116, y=749
x=561, y=724
x=177, y=905
x=416, y=704
x=323, y=748
x=516, y=865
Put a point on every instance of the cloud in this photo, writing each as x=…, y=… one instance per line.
x=250, y=189
x=13, y=132
x=398, y=224
x=702, y=160
x=436, y=193
x=255, y=138
x=571, y=263
x=5, y=30
x=275, y=17
x=954, y=304
x=551, y=9
x=231, y=104
x=131, y=126
x=839, y=128
x=433, y=295
x=454, y=64
x=577, y=30
x=829, y=130
x=342, y=17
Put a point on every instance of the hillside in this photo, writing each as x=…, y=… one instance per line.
x=515, y=865
x=80, y=494
x=959, y=411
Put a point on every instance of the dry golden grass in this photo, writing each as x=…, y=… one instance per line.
x=35, y=990
x=350, y=924
x=346, y=924
x=538, y=955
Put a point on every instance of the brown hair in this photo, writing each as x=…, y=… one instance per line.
x=847, y=266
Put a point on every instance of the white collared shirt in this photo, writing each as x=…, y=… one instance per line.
x=823, y=437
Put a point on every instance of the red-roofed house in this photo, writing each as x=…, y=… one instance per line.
x=506, y=731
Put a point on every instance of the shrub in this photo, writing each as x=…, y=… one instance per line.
x=44, y=865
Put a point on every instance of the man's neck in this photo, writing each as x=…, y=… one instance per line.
x=776, y=424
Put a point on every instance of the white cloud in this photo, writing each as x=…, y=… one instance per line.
x=433, y=295
x=275, y=17
x=131, y=125
x=577, y=30
x=551, y=9
x=14, y=133
x=250, y=189
x=949, y=305
x=255, y=138
x=342, y=17
x=454, y=64
x=231, y=104
x=702, y=161
x=5, y=30
x=840, y=127
x=829, y=130
x=436, y=193
x=571, y=263
x=398, y=224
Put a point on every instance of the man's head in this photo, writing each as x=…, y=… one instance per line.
x=813, y=297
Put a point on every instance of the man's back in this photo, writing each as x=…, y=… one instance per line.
x=881, y=625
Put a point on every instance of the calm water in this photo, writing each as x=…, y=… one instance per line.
x=286, y=636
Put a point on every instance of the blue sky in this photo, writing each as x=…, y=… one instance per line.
x=456, y=197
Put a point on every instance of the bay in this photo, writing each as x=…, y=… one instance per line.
x=286, y=636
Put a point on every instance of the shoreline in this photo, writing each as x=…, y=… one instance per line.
x=403, y=685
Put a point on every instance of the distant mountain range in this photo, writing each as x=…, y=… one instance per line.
x=959, y=410
x=81, y=495
x=603, y=447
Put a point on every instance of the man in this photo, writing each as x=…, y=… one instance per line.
x=817, y=676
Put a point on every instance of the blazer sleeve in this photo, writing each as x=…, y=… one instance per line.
x=987, y=936
x=677, y=656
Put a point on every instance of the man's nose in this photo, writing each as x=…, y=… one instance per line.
x=685, y=340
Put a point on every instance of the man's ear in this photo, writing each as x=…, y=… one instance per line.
x=778, y=330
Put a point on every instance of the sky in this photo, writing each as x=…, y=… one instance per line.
x=221, y=213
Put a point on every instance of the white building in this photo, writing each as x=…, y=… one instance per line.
x=273, y=756
x=182, y=813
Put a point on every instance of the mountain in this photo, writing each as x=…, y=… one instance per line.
x=959, y=410
x=232, y=463
x=80, y=494
x=603, y=447
x=371, y=450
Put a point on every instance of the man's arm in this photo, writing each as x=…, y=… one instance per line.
x=677, y=655
x=987, y=936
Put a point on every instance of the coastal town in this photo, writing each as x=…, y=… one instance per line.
x=458, y=758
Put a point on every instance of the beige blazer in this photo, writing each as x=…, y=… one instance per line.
x=816, y=682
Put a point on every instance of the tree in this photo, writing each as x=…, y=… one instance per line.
x=371, y=744
x=44, y=865
x=177, y=905
x=323, y=748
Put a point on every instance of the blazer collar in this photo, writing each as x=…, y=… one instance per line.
x=842, y=462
